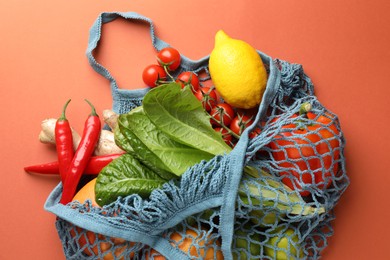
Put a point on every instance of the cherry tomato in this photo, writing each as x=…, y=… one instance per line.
x=228, y=138
x=152, y=74
x=223, y=113
x=188, y=78
x=207, y=96
x=239, y=123
x=169, y=57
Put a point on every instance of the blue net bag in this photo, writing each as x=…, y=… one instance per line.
x=271, y=197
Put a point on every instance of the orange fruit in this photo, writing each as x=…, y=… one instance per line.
x=188, y=245
x=88, y=237
x=87, y=192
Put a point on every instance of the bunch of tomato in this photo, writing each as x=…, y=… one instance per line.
x=305, y=156
x=224, y=118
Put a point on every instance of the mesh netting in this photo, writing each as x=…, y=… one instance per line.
x=291, y=176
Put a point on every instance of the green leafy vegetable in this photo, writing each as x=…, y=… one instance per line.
x=121, y=141
x=156, y=149
x=179, y=114
x=124, y=176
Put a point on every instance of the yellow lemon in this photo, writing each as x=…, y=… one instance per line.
x=284, y=245
x=237, y=71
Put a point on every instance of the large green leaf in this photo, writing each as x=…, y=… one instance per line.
x=156, y=149
x=179, y=114
x=121, y=141
x=125, y=176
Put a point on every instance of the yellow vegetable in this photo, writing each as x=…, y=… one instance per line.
x=237, y=71
x=284, y=245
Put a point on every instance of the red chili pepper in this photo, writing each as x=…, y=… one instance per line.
x=92, y=129
x=94, y=166
x=64, y=143
x=306, y=153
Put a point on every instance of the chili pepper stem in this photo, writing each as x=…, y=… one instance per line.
x=63, y=117
x=93, y=112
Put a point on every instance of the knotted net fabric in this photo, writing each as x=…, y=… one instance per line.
x=241, y=205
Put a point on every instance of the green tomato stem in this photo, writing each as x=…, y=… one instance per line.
x=305, y=107
x=169, y=74
x=226, y=128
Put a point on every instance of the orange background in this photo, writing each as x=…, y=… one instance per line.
x=343, y=46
